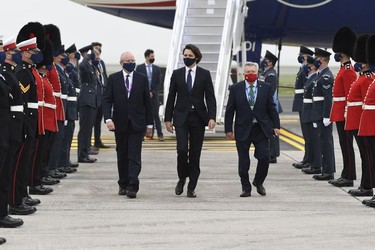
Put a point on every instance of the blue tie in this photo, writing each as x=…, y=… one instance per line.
x=251, y=96
x=149, y=75
x=189, y=81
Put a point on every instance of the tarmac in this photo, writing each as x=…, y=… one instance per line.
x=85, y=211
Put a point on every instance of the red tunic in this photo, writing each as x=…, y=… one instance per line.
x=366, y=125
x=355, y=100
x=40, y=90
x=53, y=77
x=49, y=107
x=340, y=90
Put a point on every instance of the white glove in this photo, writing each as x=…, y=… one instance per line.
x=65, y=122
x=326, y=121
x=315, y=125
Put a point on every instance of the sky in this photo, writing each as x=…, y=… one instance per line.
x=81, y=25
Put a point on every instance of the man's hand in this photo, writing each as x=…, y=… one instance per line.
x=169, y=126
x=326, y=121
x=276, y=131
x=148, y=132
x=151, y=95
x=110, y=126
x=211, y=124
x=230, y=135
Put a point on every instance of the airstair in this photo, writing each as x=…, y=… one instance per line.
x=215, y=27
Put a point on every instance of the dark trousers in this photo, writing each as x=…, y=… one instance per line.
x=87, y=116
x=54, y=157
x=4, y=182
x=367, y=159
x=370, y=149
x=98, y=125
x=155, y=115
x=129, y=148
x=42, y=157
x=189, y=147
x=347, y=151
x=66, y=144
x=313, y=143
x=17, y=174
x=25, y=164
x=326, y=145
x=261, y=143
x=304, y=127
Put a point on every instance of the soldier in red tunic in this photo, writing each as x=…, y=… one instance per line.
x=366, y=125
x=355, y=100
x=343, y=44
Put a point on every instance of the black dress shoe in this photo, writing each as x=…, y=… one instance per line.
x=49, y=180
x=191, y=194
x=9, y=222
x=73, y=165
x=323, y=177
x=42, y=190
x=341, y=182
x=131, y=194
x=101, y=145
x=361, y=192
x=93, y=151
x=369, y=202
x=260, y=189
x=122, y=191
x=87, y=160
x=56, y=174
x=180, y=187
x=310, y=170
x=67, y=170
x=22, y=209
x=273, y=160
x=30, y=201
x=245, y=194
x=300, y=165
x=2, y=240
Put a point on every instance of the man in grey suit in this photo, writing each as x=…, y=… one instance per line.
x=152, y=72
x=256, y=121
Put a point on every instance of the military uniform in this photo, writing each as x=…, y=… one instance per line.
x=322, y=102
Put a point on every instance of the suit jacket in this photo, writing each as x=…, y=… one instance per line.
x=89, y=80
x=156, y=78
x=136, y=107
x=264, y=111
x=201, y=94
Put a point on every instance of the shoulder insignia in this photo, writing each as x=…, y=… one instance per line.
x=327, y=86
x=326, y=77
x=271, y=74
x=24, y=89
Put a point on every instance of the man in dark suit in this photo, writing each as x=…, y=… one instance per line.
x=192, y=87
x=256, y=121
x=127, y=93
x=152, y=72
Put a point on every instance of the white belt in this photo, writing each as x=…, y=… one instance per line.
x=16, y=108
x=351, y=104
x=57, y=94
x=369, y=107
x=307, y=100
x=78, y=90
x=318, y=98
x=40, y=103
x=299, y=91
x=64, y=96
x=49, y=105
x=72, y=98
x=32, y=105
x=339, y=99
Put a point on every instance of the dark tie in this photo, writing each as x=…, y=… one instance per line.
x=189, y=81
x=127, y=83
x=251, y=96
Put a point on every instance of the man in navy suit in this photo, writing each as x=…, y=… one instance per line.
x=128, y=94
x=256, y=122
x=190, y=90
x=152, y=72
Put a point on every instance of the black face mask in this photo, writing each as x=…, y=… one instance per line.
x=129, y=66
x=152, y=60
x=189, y=61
